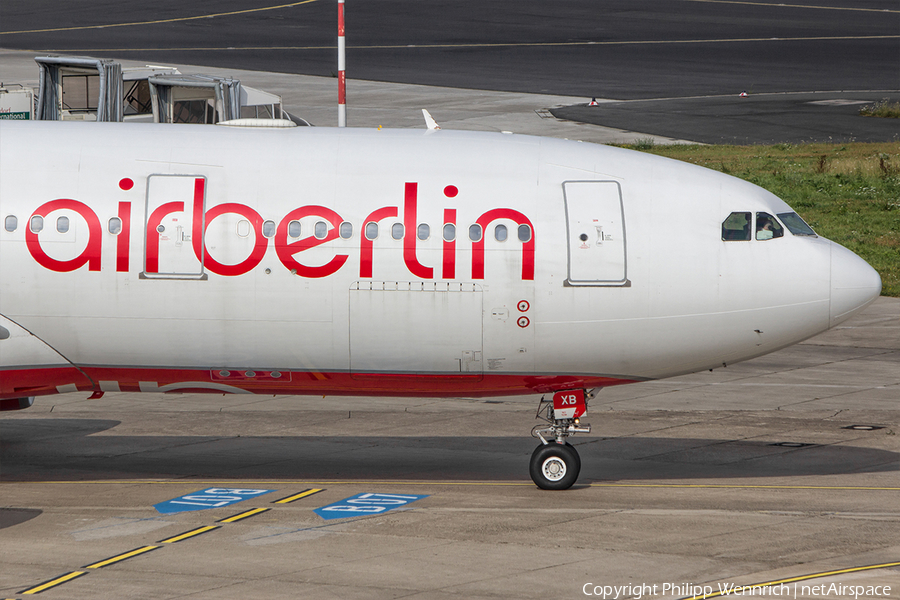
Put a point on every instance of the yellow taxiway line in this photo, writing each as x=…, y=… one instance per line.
x=120, y=557
x=53, y=582
x=189, y=534
x=480, y=45
x=740, y=588
x=174, y=20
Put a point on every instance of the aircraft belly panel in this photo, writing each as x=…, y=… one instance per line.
x=204, y=343
x=509, y=323
x=39, y=368
x=430, y=328
x=19, y=347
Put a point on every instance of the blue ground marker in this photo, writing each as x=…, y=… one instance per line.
x=365, y=504
x=208, y=498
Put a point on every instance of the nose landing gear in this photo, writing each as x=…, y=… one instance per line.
x=555, y=464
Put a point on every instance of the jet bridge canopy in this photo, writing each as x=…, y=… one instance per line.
x=79, y=88
x=91, y=89
x=194, y=98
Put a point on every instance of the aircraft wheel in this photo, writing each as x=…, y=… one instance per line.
x=554, y=466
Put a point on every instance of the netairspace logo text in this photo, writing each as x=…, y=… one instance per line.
x=690, y=590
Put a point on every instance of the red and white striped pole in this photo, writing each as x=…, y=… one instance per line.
x=342, y=78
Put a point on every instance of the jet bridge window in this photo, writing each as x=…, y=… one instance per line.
x=201, y=111
x=736, y=227
x=11, y=223
x=137, y=98
x=767, y=227
x=80, y=92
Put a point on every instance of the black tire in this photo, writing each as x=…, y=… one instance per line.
x=554, y=466
x=577, y=458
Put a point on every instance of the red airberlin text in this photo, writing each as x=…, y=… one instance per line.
x=288, y=250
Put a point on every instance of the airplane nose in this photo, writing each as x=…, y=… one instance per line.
x=854, y=284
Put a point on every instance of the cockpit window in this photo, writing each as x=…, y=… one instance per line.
x=795, y=224
x=767, y=227
x=736, y=227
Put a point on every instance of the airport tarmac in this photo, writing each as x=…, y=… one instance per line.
x=377, y=104
x=602, y=48
x=672, y=69
x=777, y=468
x=782, y=118
x=748, y=474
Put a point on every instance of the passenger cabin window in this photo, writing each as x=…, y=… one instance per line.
x=294, y=229
x=423, y=231
x=795, y=224
x=767, y=227
x=269, y=229
x=346, y=230
x=371, y=230
x=500, y=233
x=37, y=223
x=449, y=232
x=243, y=228
x=397, y=231
x=321, y=230
x=114, y=226
x=11, y=223
x=524, y=233
x=475, y=232
x=62, y=224
x=736, y=228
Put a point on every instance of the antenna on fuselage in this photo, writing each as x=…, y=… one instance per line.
x=430, y=123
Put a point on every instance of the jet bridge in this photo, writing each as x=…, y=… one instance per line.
x=74, y=88
x=208, y=100
x=79, y=88
x=194, y=99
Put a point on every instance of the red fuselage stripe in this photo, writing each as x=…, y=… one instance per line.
x=44, y=381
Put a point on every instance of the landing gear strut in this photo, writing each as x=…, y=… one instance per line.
x=555, y=464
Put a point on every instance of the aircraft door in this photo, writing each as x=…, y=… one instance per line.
x=596, y=233
x=175, y=205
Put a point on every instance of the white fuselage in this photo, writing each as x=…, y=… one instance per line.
x=175, y=257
